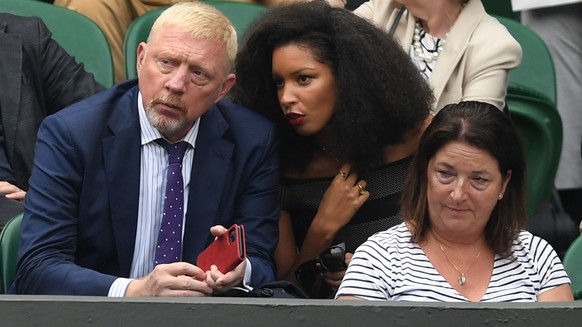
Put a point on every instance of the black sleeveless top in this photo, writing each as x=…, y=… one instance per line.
x=301, y=198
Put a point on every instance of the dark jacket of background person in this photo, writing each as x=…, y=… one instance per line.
x=37, y=78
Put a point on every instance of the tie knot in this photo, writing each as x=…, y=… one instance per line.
x=175, y=150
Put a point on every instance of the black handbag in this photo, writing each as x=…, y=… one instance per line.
x=279, y=289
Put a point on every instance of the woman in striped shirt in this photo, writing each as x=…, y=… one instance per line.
x=463, y=209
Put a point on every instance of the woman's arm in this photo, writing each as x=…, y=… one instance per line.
x=560, y=293
x=340, y=202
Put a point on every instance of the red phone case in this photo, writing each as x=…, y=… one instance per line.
x=226, y=252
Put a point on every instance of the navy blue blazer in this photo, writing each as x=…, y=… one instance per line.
x=81, y=210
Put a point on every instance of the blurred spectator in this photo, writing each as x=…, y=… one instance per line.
x=37, y=78
x=464, y=53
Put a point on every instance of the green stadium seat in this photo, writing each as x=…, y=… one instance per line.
x=573, y=266
x=9, y=242
x=77, y=34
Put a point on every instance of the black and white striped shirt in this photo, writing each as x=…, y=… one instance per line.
x=388, y=266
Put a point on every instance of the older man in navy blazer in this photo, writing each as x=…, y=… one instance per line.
x=94, y=208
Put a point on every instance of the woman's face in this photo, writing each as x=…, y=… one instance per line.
x=464, y=185
x=306, y=88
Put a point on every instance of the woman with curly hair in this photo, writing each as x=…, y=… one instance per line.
x=350, y=107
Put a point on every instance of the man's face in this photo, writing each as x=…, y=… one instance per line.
x=180, y=77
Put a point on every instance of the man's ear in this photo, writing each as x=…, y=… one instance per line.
x=226, y=86
x=141, y=53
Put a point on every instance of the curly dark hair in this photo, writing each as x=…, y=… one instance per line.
x=382, y=98
x=484, y=126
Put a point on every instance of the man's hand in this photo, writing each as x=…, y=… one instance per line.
x=221, y=283
x=173, y=279
x=218, y=281
x=11, y=191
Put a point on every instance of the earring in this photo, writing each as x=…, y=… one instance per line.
x=500, y=197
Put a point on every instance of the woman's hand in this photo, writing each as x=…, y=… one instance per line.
x=334, y=278
x=341, y=200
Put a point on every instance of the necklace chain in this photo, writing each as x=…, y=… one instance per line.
x=462, y=278
x=326, y=151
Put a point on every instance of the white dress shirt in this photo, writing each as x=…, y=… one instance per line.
x=153, y=168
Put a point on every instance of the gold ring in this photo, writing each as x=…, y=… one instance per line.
x=362, y=189
x=342, y=174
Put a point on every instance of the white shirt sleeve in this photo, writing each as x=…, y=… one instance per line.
x=119, y=287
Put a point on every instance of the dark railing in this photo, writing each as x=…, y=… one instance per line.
x=100, y=311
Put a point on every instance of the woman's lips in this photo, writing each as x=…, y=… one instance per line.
x=295, y=119
x=458, y=210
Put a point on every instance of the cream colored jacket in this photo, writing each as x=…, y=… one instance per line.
x=476, y=59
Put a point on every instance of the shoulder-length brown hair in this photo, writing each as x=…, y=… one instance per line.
x=483, y=126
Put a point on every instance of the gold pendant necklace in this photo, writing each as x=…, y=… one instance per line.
x=462, y=278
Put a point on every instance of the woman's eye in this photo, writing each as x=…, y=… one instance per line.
x=444, y=176
x=304, y=79
x=480, y=180
x=278, y=82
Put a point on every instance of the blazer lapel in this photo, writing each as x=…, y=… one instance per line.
x=10, y=85
x=210, y=168
x=456, y=45
x=122, y=158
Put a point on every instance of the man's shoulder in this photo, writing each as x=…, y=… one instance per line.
x=239, y=116
x=108, y=98
x=18, y=23
x=29, y=29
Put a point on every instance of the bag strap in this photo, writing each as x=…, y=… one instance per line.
x=396, y=20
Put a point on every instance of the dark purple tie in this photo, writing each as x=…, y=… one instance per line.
x=169, y=248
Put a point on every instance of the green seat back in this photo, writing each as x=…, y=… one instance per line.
x=531, y=100
x=9, y=242
x=240, y=14
x=573, y=266
x=536, y=70
x=77, y=34
x=500, y=8
x=540, y=128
